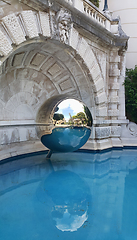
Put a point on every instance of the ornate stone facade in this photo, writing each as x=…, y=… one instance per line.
x=54, y=51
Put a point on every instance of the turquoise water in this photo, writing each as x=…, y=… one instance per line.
x=72, y=196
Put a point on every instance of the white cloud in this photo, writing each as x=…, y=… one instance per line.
x=70, y=222
x=75, y=105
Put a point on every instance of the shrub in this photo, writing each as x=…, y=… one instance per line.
x=95, y=2
x=58, y=116
x=131, y=94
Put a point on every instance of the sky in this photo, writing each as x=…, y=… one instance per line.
x=70, y=106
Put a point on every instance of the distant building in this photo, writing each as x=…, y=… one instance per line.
x=127, y=10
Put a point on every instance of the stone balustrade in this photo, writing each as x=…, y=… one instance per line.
x=95, y=14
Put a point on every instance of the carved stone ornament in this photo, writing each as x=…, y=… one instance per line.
x=63, y=19
x=102, y=132
x=132, y=127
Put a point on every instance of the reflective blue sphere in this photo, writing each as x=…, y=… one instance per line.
x=66, y=139
x=63, y=126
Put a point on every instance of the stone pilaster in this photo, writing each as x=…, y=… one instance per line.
x=114, y=73
x=121, y=91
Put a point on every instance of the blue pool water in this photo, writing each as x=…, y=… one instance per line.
x=75, y=196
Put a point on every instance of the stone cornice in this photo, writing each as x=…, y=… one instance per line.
x=86, y=25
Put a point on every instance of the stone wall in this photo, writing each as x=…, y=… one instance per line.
x=48, y=56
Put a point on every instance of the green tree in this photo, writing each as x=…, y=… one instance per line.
x=58, y=116
x=89, y=116
x=131, y=94
x=81, y=116
x=95, y=2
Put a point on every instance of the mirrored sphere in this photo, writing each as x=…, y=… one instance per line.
x=69, y=127
x=72, y=112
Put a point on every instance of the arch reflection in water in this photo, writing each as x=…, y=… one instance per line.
x=70, y=198
x=72, y=127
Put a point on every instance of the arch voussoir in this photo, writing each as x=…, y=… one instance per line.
x=17, y=27
x=14, y=28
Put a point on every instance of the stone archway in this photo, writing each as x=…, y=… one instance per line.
x=33, y=74
x=36, y=67
x=26, y=25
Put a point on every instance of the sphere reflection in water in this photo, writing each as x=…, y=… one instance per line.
x=72, y=127
x=70, y=222
x=70, y=197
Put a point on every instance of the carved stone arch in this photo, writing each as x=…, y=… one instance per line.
x=27, y=25
x=65, y=67
x=36, y=74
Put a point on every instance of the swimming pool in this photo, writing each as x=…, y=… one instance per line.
x=80, y=195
